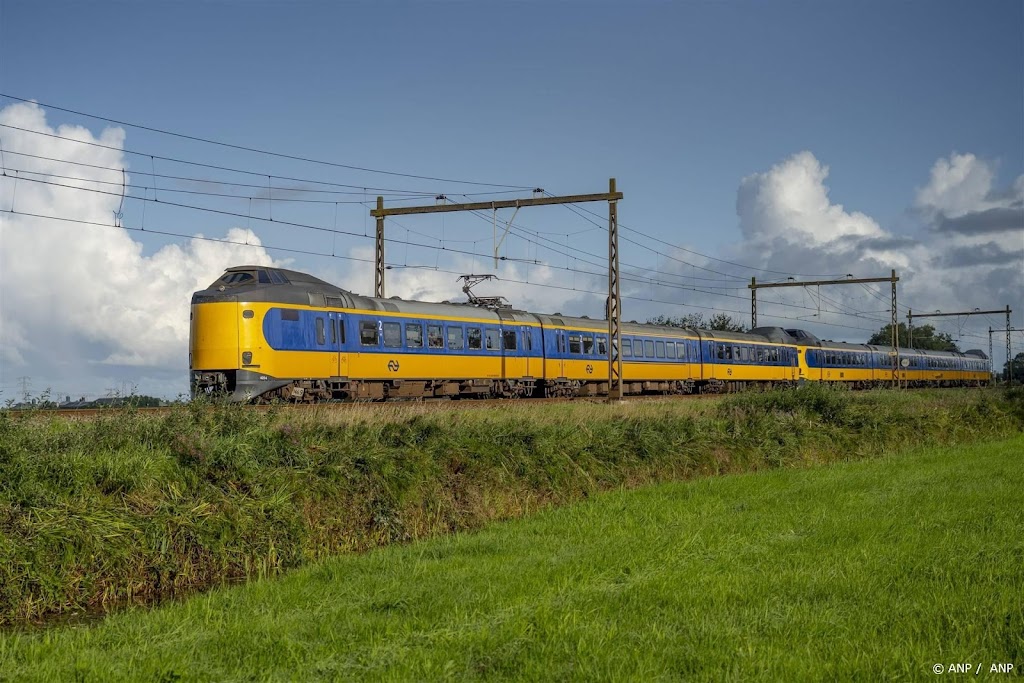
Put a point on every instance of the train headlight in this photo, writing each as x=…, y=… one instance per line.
x=247, y=358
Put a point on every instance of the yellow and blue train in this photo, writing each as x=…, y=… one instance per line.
x=260, y=333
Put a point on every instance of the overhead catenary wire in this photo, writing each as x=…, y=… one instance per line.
x=293, y=250
x=255, y=150
x=228, y=169
x=626, y=277
x=421, y=194
x=707, y=256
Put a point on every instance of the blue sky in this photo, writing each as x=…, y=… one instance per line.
x=679, y=101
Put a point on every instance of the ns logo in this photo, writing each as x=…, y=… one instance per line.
x=393, y=365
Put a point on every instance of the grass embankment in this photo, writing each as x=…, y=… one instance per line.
x=128, y=507
x=874, y=570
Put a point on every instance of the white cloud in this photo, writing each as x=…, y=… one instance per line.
x=77, y=295
x=958, y=185
x=970, y=254
x=790, y=202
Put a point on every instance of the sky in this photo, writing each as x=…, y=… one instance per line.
x=750, y=139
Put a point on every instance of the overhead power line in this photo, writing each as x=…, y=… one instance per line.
x=708, y=256
x=392, y=266
x=256, y=150
x=259, y=174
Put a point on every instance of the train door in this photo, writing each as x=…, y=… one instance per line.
x=338, y=325
x=530, y=364
x=552, y=345
x=562, y=338
x=331, y=339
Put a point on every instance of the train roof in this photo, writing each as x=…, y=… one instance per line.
x=280, y=285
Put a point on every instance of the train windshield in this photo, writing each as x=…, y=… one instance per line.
x=235, y=278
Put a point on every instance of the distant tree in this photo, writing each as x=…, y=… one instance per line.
x=1017, y=367
x=925, y=337
x=719, y=321
x=724, y=322
x=691, y=320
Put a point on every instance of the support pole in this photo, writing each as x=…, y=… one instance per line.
x=614, y=289
x=910, y=329
x=378, y=280
x=1009, y=360
x=895, y=336
x=753, y=303
x=991, y=363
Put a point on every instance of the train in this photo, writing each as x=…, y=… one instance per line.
x=260, y=333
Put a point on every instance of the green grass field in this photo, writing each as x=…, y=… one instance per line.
x=869, y=570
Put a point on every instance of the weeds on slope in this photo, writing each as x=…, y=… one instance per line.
x=129, y=506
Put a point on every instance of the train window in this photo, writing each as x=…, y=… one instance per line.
x=720, y=351
x=476, y=338
x=742, y=353
x=277, y=278
x=414, y=335
x=588, y=345
x=341, y=328
x=289, y=314
x=334, y=332
x=649, y=348
x=670, y=350
x=455, y=338
x=659, y=349
x=728, y=352
x=320, y=337
x=368, y=333
x=627, y=348
x=602, y=346
x=236, y=278
x=638, y=348
x=493, y=339
x=435, y=337
x=508, y=338
x=392, y=335
x=574, y=343
x=527, y=340
x=263, y=277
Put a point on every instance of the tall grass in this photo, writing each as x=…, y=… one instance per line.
x=128, y=507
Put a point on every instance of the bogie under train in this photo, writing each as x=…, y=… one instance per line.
x=261, y=333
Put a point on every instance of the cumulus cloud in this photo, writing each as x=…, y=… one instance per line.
x=83, y=300
x=978, y=222
x=969, y=254
x=790, y=201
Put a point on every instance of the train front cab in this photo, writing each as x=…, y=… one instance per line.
x=213, y=346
